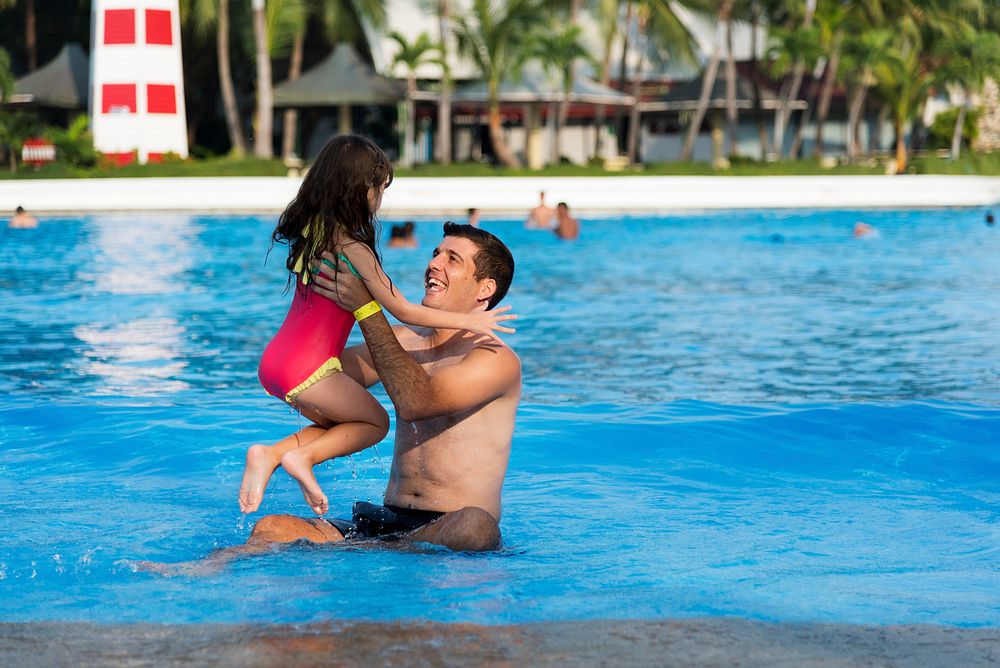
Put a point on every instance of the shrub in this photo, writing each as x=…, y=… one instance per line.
x=941, y=130
x=75, y=144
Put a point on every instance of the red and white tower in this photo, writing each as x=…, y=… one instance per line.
x=137, y=80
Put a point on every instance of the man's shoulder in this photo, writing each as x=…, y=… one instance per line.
x=499, y=356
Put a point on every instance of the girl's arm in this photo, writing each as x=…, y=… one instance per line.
x=392, y=300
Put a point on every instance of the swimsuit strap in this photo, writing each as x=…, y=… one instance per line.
x=343, y=257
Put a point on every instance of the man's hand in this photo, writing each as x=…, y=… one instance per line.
x=342, y=287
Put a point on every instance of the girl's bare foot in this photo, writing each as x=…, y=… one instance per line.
x=300, y=468
x=261, y=462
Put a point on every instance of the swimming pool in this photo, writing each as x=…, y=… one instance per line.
x=732, y=413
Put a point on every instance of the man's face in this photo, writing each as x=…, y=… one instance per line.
x=449, y=281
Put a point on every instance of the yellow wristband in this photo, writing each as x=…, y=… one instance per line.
x=371, y=308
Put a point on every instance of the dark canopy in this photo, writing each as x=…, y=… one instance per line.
x=62, y=82
x=685, y=96
x=341, y=78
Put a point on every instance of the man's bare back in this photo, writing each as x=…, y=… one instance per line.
x=540, y=218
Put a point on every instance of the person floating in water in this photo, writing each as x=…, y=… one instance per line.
x=864, y=231
x=567, y=227
x=542, y=216
x=403, y=236
x=472, y=217
x=22, y=219
x=334, y=211
x=989, y=218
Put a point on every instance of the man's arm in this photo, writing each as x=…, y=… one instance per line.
x=486, y=373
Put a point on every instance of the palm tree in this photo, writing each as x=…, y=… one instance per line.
x=806, y=38
x=6, y=76
x=204, y=14
x=558, y=51
x=412, y=56
x=863, y=54
x=903, y=81
x=971, y=59
x=494, y=37
x=444, y=106
x=264, y=116
x=660, y=35
x=290, y=121
x=341, y=20
x=831, y=22
x=15, y=126
x=30, y=29
x=725, y=10
x=608, y=13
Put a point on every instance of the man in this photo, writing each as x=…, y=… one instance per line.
x=455, y=396
x=22, y=219
x=567, y=227
x=540, y=218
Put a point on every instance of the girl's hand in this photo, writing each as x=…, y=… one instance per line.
x=488, y=322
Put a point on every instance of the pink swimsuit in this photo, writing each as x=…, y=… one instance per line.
x=307, y=347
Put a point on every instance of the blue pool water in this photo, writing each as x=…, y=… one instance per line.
x=735, y=413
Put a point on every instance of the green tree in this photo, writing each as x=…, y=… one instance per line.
x=30, y=29
x=75, y=144
x=831, y=19
x=264, y=114
x=968, y=61
x=608, y=15
x=660, y=36
x=443, y=9
x=557, y=51
x=204, y=15
x=494, y=37
x=15, y=128
x=724, y=12
x=412, y=55
x=903, y=81
x=6, y=76
x=863, y=54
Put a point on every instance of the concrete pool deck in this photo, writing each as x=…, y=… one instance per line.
x=506, y=196
x=681, y=642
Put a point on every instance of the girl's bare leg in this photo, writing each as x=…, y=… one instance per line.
x=261, y=462
x=359, y=421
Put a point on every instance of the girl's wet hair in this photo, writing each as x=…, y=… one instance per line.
x=334, y=192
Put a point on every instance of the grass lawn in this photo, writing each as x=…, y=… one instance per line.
x=981, y=164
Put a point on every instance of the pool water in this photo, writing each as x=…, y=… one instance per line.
x=732, y=413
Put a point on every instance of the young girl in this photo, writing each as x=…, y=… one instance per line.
x=334, y=210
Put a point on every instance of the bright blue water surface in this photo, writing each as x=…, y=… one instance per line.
x=716, y=421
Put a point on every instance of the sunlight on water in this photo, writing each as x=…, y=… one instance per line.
x=732, y=413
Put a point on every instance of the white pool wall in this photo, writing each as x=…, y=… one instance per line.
x=510, y=195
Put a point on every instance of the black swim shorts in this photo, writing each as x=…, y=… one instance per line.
x=383, y=522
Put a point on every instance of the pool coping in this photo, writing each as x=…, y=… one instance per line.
x=506, y=196
x=712, y=641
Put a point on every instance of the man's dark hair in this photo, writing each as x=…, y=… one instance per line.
x=20, y=209
x=492, y=260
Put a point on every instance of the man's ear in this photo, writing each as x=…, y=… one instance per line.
x=487, y=288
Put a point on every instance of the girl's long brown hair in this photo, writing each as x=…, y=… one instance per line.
x=334, y=192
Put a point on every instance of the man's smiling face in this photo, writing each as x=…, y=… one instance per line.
x=449, y=281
